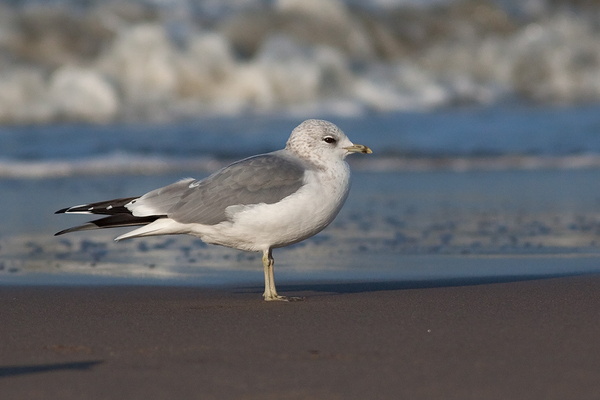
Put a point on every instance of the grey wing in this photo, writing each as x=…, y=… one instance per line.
x=265, y=178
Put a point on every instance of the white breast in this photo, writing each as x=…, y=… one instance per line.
x=295, y=218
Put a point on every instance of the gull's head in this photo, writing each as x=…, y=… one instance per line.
x=318, y=140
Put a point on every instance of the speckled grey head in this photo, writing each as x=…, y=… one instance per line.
x=318, y=141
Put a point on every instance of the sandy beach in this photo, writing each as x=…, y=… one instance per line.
x=441, y=339
x=428, y=285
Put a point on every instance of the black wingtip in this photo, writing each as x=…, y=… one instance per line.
x=112, y=221
x=61, y=211
x=77, y=228
x=85, y=227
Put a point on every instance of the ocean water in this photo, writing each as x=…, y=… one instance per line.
x=514, y=194
x=472, y=138
x=484, y=119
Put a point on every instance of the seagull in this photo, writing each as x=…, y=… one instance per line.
x=256, y=204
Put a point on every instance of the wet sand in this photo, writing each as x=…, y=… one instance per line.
x=468, y=286
x=439, y=339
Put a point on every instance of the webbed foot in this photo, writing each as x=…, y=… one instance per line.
x=283, y=298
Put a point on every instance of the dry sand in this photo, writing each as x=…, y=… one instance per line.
x=439, y=339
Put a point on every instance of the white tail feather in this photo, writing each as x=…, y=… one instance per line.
x=162, y=226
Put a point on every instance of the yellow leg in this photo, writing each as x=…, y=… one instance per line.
x=270, y=293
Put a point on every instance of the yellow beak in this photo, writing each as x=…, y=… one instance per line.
x=358, y=148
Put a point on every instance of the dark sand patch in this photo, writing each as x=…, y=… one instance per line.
x=522, y=339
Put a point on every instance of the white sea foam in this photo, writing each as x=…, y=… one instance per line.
x=114, y=164
x=139, y=60
x=83, y=94
x=123, y=164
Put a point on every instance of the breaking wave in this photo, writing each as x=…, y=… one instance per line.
x=123, y=164
x=103, y=61
x=113, y=164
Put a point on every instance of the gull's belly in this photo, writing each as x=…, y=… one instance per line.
x=295, y=218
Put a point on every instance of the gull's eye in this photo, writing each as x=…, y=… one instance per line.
x=329, y=139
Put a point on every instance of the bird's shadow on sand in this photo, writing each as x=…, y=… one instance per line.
x=15, y=370
x=376, y=286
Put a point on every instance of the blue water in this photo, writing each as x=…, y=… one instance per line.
x=401, y=224
x=451, y=132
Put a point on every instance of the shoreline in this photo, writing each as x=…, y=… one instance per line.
x=297, y=267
